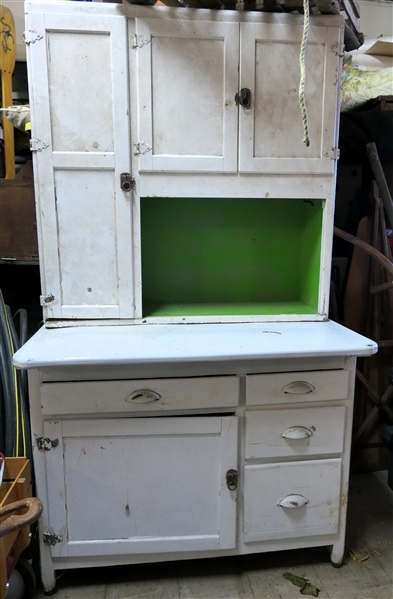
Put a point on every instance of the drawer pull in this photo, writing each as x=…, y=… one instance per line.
x=292, y=501
x=143, y=396
x=297, y=432
x=298, y=388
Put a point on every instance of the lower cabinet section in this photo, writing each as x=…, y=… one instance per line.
x=271, y=473
x=124, y=486
x=292, y=499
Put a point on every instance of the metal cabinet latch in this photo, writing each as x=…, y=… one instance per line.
x=243, y=98
x=45, y=444
x=232, y=479
x=126, y=182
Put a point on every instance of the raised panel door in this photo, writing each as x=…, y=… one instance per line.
x=135, y=485
x=187, y=80
x=80, y=122
x=271, y=130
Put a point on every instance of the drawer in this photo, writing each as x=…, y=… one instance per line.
x=294, y=432
x=292, y=387
x=290, y=500
x=143, y=395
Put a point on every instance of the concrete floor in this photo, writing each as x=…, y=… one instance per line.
x=369, y=533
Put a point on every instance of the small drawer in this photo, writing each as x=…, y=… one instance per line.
x=145, y=395
x=292, y=387
x=294, y=432
x=291, y=500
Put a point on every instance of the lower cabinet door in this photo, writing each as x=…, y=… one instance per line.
x=141, y=485
x=293, y=499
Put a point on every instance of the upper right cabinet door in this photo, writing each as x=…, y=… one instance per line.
x=271, y=130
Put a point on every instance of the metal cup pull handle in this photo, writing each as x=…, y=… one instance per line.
x=298, y=388
x=297, y=432
x=292, y=501
x=143, y=396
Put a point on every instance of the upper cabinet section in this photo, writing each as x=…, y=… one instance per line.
x=187, y=80
x=191, y=117
x=271, y=130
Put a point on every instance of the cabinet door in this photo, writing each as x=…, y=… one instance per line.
x=271, y=129
x=141, y=485
x=187, y=81
x=79, y=104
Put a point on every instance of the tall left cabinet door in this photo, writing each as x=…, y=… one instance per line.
x=78, y=89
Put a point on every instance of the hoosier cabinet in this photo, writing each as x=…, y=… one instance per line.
x=189, y=396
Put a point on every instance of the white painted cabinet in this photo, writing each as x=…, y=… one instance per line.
x=192, y=418
x=135, y=486
x=172, y=442
x=188, y=79
x=151, y=98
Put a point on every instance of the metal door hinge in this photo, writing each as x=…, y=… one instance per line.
x=51, y=538
x=232, y=479
x=47, y=300
x=30, y=36
x=46, y=444
x=332, y=153
x=127, y=182
x=141, y=147
x=337, y=49
x=138, y=41
x=37, y=145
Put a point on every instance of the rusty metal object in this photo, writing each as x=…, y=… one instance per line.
x=17, y=521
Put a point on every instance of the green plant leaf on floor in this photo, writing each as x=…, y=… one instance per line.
x=358, y=557
x=306, y=588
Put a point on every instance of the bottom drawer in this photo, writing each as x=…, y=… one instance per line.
x=291, y=499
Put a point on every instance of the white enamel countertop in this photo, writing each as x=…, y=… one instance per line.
x=143, y=344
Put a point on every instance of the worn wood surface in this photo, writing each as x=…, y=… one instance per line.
x=7, y=64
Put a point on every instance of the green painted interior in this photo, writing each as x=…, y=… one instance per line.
x=230, y=256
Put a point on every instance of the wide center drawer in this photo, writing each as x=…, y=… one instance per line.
x=142, y=395
x=294, y=432
x=292, y=387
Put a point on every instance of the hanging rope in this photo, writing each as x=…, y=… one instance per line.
x=302, y=60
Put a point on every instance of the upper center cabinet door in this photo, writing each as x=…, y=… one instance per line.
x=187, y=81
x=271, y=130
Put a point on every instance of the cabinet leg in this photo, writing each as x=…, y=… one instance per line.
x=51, y=592
x=48, y=577
x=337, y=554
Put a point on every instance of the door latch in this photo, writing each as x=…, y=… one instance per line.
x=126, y=182
x=232, y=478
x=243, y=98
